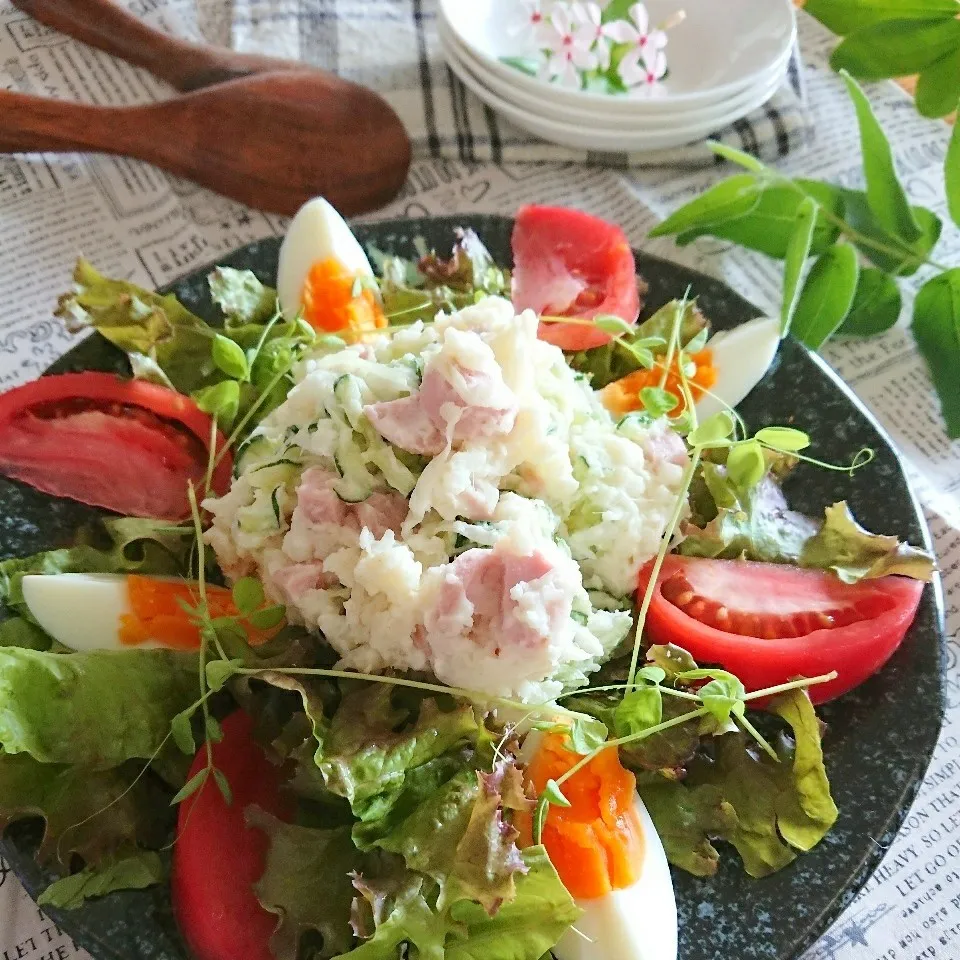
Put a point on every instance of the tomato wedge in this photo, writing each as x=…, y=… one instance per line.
x=570, y=264
x=769, y=623
x=217, y=858
x=126, y=445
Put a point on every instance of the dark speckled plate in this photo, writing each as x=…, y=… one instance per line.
x=880, y=737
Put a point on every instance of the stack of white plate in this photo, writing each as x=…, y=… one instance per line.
x=726, y=58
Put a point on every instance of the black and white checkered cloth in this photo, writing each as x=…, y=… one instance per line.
x=392, y=46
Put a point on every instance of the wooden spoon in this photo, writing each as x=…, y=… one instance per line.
x=184, y=65
x=270, y=140
x=271, y=133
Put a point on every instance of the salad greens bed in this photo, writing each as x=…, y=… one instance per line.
x=407, y=786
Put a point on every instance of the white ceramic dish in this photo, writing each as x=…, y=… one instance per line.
x=617, y=140
x=638, y=120
x=720, y=49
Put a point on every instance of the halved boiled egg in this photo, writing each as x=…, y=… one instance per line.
x=740, y=358
x=104, y=611
x=608, y=855
x=320, y=264
x=731, y=364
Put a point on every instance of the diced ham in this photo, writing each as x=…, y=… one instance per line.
x=318, y=503
x=477, y=597
x=460, y=403
x=295, y=580
x=664, y=445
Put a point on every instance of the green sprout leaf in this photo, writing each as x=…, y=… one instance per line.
x=639, y=710
x=229, y=357
x=191, y=786
x=714, y=430
x=784, y=438
x=224, y=786
x=554, y=795
x=885, y=193
x=220, y=671
x=269, y=617
x=586, y=734
x=876, y=305
x=222, y=401
x=798, y=249
x=181, y=729
x=746, y=465
x=658, y=402
x=248, y=594
x=827, y=295
x=610, y=323
x=741, y=159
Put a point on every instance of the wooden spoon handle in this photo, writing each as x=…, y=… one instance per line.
x=29, y=124
x=184, y=65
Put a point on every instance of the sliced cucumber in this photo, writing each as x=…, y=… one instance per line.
x=355, y=483
x=346, y=390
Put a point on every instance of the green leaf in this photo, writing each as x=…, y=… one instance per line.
x=609, y=323
x=952, y=175
x=783, y=438
x=222, y=400
x=554, y=795
x=363, y=759
x=713, y=430
x=142, y=324
x=938, y=87
x=685, y=820
x=761, y=528
x=220, y=671
x=885, y=193
x=896, y=48
x=248, y=594
x=903, y=259
x=306, y=882
x=827, y=295
x=135, y=871
x=181, y=729
x=587, y=734
x=876, y=305
x=269, y=617
x=845, y=16
x=230, y=358
x=223, y=785
x=721, y=696
x=739, y=157
x=20, y=632
x=798, y=249
x=746, y=466
x=728, y=200
x=769, y=227
x=191, y=786
x=93, y=814
x=673, y=660
x=639, y=710
x=657, y=402
x=95, y=709
x=855, y=554
x=936, y=328
x=767, y=809
x=241, y=296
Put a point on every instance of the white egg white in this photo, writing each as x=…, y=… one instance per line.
x=636, y=923
x=317, y=232
x=741, y=357
x=81, y=610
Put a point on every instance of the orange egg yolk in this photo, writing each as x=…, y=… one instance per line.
x=623, y=395
x=156, y=613
x=329, y=303
x=596, y=843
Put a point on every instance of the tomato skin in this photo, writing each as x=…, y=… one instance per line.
x=217, y=858
x=558, y=249
x=125, y=445
x=855, y=650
